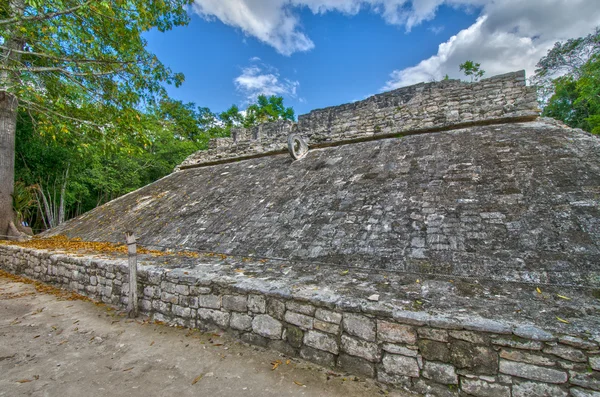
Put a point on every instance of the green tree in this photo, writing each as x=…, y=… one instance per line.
x=568, y=79
x=266, y=110
x=472, y=69
x=82, y=67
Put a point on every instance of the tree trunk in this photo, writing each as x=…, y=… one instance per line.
x=8, y=126
x=61, y=210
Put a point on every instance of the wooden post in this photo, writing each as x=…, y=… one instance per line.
x=132, y=305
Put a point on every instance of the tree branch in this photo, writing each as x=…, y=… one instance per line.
x=41, y=17
x=72, y=60
x=57, y=69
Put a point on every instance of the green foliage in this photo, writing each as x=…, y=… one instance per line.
x=472, y=70
x=23, y=201
x=268, y=109
x=82, y=67
x=573, y=97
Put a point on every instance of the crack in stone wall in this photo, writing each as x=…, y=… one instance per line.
x=418, y=107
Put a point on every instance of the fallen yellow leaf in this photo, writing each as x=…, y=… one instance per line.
x=563, y=297
x=298, y=383
x=562, y=320
x=197, y=378
x=275, y=364
x=539, y=291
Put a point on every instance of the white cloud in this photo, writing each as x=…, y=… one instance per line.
x=263, y=79
x=276, y=22
x=509, y=35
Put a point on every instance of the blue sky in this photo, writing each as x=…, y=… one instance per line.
x=318, y=53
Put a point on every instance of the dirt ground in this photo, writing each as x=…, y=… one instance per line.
x=53, y=346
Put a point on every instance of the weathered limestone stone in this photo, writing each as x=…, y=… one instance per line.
x=275, y=308
x=236, y=303
x=434, y=351
x=401, y=365
x=396, y=333
x=209, y=301
x=294, y=336
x=568, y=353
x=439, y=335
x=254, y=339
x=267, y=326
x=327, y=327
x=360, y=326
x=242, y=322
x=487, y=325
x=428, y=388
x=360, y=348
x=328, y=316
x=595, y=363
x=445, y=322
x=257, y=304
x=300, y=320
x=321, y=341
x=480, y=388
x=480, y=359
x=518, y=343
x=533, y=372
x=441, y=373
x=169, y=298
x=182, y=289
x=577, y=392
x=577, y=342
x=589, y=380
x=469, y=336
x=355, y=365
x=218, y=317
x=524, y=357
x=403, y=350
x=317, y=356
x=301, y=308
x=393, y=379
x=180, y=311
x=531, y=389
x=196, y=290
x=534, y=333
x=412, y=318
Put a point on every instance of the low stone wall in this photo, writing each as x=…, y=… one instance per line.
x=419, y=107
x=433, y=355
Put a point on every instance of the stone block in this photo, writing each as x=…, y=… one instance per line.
x=236, y=303
x=356, y=366
x=239, y=321
x=321, y=341
x=302, y=308
x=257, y=304
x=301, y=320
x=438, y=335
x=360, y=348
x=360, y=326
x=217, y=317
x=182, y=289
x=428, y=388
x=595, y=363
x=480, y=388
x=400, y=365
x=434, y=351
x=317, y=356
x=533, y=372
x=518, y=343
x=294, y=335
x=566, y=352
x=169, y=298
x=469, y=336
x=525, y=357
x=402, y=350
x=440, y=373
x=578, y=342
x=532, y=389
x=181, y=311
x=255, y=339
x=209, y=301
x=396, y=333
x=588, y=380
x=533, y=333
x=267, y=326
x=477, y=358
x=577, y=392
x=326, y=327
x=275, y=308
x=328, y=316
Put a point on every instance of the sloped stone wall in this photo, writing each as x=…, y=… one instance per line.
x=415, y=108
x=433, y=355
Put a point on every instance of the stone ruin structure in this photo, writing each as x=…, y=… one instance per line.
x=439, y=238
